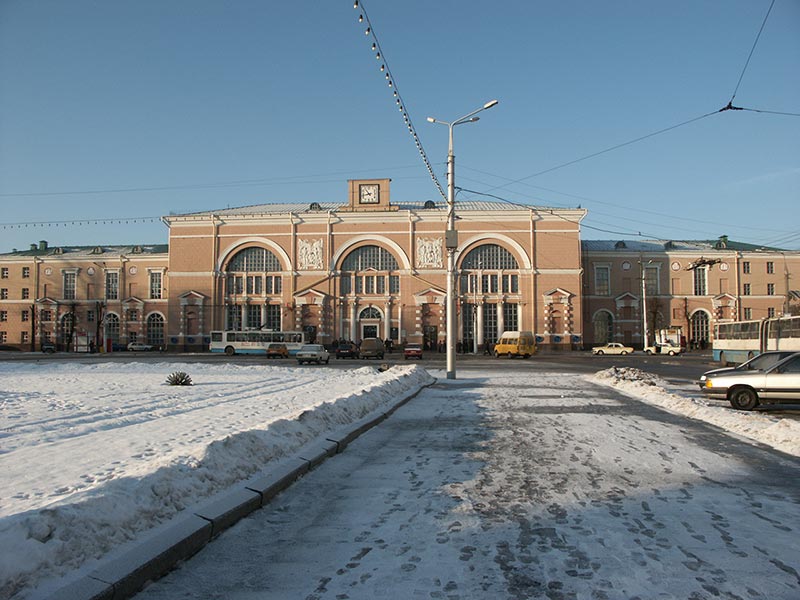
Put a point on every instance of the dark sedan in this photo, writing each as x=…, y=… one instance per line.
x=347, y=350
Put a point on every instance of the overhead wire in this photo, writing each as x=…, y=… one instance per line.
x=392, y=82
x=752, y=50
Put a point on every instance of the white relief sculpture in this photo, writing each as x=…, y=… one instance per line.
x=310, y=254
x=429, y=252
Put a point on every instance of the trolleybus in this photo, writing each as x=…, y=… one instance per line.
x=254, y=341
x=738, y=341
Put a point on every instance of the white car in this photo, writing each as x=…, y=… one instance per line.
x=612, y=348
x=746, y=389
x=139, y=347
x=312, y=353
x=670, y=349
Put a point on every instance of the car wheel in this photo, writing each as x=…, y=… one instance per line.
x=623, y=353
x=743, y=398
x=671, y=353
x=600, y=352
x=648, y=352
x=229, y=350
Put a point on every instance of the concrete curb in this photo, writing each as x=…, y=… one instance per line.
x=121, y=577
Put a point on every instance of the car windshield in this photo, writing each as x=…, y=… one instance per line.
x=763, y=361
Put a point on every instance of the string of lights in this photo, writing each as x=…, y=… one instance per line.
x=117, y=220
x=363, y=17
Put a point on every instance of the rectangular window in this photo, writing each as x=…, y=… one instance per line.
x=3, y=293
x=510, y=317
x=274, y=317
x=23, y=338
x=69, y=286
x=133, y=314
x=510, y=284
x=493, y=283
x=380, y=285
x=26, y=272
x=3, y=337
x=651, y=281
x=254, y=316
x=155, y=285
x=770, y=312
x=770, y=289
x=346, y=284
x=90, y=316
x=602, y=281
x=746, y=267
x=369, y=284
x=26, y=293
x=45, y=315
x=700, y=278
x=359, y=284
x=3, y=315
x=394, y=284
x=746, y=289
x=748, y=313
x=25, y=316
x=273, y=284
x=770, y=267
x=112, y=285
x=4, y=273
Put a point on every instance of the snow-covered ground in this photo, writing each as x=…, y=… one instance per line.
x=91, y=456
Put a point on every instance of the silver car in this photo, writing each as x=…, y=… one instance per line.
x=762, y=362
x=312, y=353
x=747, y=389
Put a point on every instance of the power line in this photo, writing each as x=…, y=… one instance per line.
x=755, y=43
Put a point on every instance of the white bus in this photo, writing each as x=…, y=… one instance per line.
x=254, y=341
x=738, y=341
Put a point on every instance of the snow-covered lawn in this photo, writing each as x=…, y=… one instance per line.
x=93, y=455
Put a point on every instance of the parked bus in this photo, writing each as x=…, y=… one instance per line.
x=738, y=341
x=254, y=341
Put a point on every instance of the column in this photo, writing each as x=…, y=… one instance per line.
x=353, y=322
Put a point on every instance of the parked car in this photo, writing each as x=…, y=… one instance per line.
x=762, y=362
x=612, y=348
x=139, y=347
x=515, y=343
x=309, y=353
x=347, y=350
x=276, y=350
x=746, y=389
x=669, y=349
x=371, y=348
x=48, y=347
x=412, y=351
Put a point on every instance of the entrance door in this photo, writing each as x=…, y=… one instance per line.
x=369, y=331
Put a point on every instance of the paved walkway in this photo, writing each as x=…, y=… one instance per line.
x=519, y=486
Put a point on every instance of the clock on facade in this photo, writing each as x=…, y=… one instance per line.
x=369, y=193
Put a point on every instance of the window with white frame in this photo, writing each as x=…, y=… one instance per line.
x=26, y=272
x=26, y=293
x=602, y=280
x=748, y=313
x=70, y=278
x=651, y=283
x=3, y=315
x=770, y=267
x=3, y=272
x=770, y=289
x=701, y=281
x=156, y=285
x=112, y=285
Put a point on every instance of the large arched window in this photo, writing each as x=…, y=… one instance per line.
x=65, y=330
x=482, y=271
x=252, y=274
x=370, y=313
x=369, y=270
x=112, y=327
x=155, y=330
x=603, y=325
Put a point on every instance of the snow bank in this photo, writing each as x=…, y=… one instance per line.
x=781, y=434
x=162, y=448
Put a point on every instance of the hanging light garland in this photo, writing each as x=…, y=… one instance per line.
x=384, y=68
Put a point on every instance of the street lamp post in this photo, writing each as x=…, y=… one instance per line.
x=644, y=300
x=451, y=236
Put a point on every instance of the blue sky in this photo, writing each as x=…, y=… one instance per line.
x=112, y=110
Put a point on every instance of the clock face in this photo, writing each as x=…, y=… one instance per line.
x=368, y=193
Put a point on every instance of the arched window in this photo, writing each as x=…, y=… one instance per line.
x=251, y=274
x=603, y=324
x=155, y=330
x=369, y=270
x=370, y=313
x=65, y=330
x=700, y=328
x=482, y=271
x=112, y=327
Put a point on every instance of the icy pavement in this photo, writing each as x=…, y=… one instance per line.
x=520, y=485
